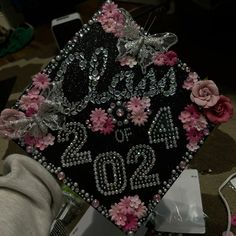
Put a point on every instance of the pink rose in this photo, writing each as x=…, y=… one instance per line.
x=7, y=123
x=205, y=93
x=221, y=112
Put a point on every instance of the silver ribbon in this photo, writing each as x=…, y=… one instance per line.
x=142, y=46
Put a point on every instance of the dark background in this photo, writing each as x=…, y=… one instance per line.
x=205, y=28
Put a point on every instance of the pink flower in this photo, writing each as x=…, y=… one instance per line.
x=102, y=19
x=121, y=220
x=171, y=57
x=44, y=142
x=193, y=75
x=128, y=61
x=98, y=117
x=193, y=110
x=109, y=25
x=185, y=116
x=101, y=122
x=34, y=91
x=221, y=112
x=131, y=223
x=135, y=201
x=192, y=147
x=8, y=123
x=49, y=139
x=41, y=81
x=116, y=215
x=112, y=20
x=190, y=81
x=40, y=144
x=26, y=101
x=124, y=206
x=114, y=211
x=205, y=93
x=109, y=9
x=140, y=211
x=135, y=104
x=139, y=118
x=188, y=125
x=189, y=116
x=108, y=127
x=159, y=59
x=194, y=136
x=195, y=125
x=127, y=212
x=132, y=205
x=119, y=18
x=29, y=140
x=97, y=127
x=32, y=110
x=114, y=24
x=200, y=123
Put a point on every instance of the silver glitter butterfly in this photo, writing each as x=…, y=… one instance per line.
x=140, y=45
x=38, y=124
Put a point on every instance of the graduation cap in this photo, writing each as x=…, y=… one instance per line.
x=116, y=116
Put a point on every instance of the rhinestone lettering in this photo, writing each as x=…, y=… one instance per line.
x=72, y=156
x=97, y=67
x=162, y=129
x=140, y=178
x=117, y=182
x=122, y=135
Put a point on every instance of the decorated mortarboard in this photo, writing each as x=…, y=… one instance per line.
x=116, y=116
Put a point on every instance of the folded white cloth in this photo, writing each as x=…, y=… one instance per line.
x=30, y=198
